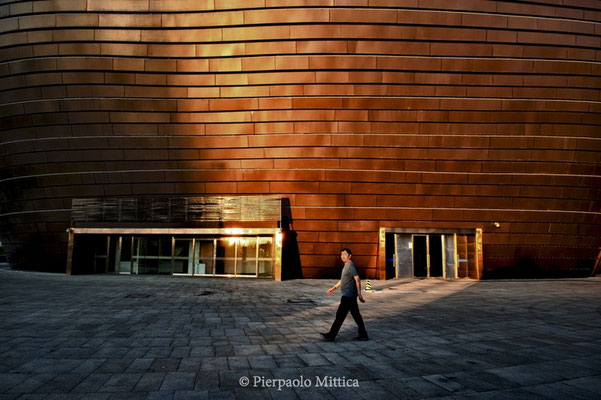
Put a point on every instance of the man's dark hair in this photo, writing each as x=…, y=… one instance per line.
x=347, y=250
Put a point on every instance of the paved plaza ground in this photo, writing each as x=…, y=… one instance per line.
x=162, y=337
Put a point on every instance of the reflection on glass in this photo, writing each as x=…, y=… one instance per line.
x=247, y=267
x=265, y=247
x=138, y=253
x=164, y=255
x=182, y=261
x=229, y=267
x=247, y=248
x=226, y=248
x=265, y=267
x=143, y=247
x=265, y=263
x=203, y=257
x=164, y=267
x=124, y=258
x=149, y=266
x=247, y=256
x=154, y=254
x=181, y=267
x=225, y=253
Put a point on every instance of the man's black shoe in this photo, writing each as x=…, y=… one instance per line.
x=361, y=338
x=327, y=336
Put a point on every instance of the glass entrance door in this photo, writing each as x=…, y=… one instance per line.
x=428, y=257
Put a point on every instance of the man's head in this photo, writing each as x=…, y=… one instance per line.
x=345, y=255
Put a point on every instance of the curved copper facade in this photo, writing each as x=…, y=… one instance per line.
x=365, y=114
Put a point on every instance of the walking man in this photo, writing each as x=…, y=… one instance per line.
x=351, y=289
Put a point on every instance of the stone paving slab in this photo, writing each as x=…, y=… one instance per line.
x=107, y=337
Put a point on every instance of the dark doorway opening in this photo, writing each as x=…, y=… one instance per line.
x=420, y=256
x=428, y=259
x=390, y=256
x=435, y=256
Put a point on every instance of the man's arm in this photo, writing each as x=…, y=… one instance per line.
x=358, y=283
x=336, y=286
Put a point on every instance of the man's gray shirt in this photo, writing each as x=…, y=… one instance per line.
x=347, y=280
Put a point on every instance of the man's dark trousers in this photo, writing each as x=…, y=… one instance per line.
x=347, y=304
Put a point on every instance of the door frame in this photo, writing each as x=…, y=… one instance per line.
x=428, y=257
x=450, y=259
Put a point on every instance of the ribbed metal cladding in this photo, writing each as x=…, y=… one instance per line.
x=176, y=209
x=363, y=114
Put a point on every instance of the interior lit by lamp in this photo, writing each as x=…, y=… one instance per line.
x=240, y=240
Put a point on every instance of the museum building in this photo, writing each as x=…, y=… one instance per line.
x=257, y=138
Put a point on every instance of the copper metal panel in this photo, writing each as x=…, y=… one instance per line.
x=382, y=114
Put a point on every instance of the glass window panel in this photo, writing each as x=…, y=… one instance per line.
x=125, y=267
x=203, y=267
x=203, y=260
x=182, y=248
x=226, y=248
x=141, y=266
x=206, y=248
x=265, y=247
x=247, y=248
x=152, y=246
x=265, y=268
x=139, y=254
x=112, y=256
x=247, y=256
x=139, y=246
x=180, y=266
x=124, y=258
x=149, y=266
x=226, y=255
x=126, y=248
x=225, y=262
x=247, y=267
x=164, y=266
x=100, y=250
x=146, y=255
x=182, y=263
x=165, y=243
x=224, y=266
x=209, y=265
